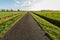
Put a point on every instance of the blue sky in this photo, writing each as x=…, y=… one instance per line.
x=30, y=4
x=6, y=4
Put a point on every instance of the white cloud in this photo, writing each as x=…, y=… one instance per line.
x=27, y=4
x=38, y=4
x=17, y=2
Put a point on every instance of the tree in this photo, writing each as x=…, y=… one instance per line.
x=11, y=10
x=18, y=10
x=7, y=10
x=3, y=10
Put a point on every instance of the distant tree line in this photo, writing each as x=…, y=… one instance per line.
x=3, y=10
x=49, y=10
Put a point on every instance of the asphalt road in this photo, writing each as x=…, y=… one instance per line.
x=26, y=29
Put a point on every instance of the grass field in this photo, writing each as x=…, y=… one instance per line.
x=9, y=19
x=50, y=29
x=50, y=14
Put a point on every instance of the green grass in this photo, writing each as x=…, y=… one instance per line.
x=50, y=14
x=52, y=30
x=10, y=23
x=6, y=14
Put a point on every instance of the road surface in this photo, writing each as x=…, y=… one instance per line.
x=26, y=29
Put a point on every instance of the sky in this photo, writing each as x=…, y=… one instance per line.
x=30, y=4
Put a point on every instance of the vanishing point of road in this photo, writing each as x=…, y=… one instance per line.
x=26, y=29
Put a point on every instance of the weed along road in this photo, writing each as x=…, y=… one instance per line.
x=26, y=29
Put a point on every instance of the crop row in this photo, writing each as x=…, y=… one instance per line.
x=50, y=29
x=4, y=27
x=2, y=20
x=6, y=14
x=52, y=15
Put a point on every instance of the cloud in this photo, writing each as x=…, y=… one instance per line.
x=38, y=4
x=17, y=2
x=27, y=4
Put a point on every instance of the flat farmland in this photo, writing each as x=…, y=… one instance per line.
x=31, y=25
x=49, y=22
x=9, y=19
